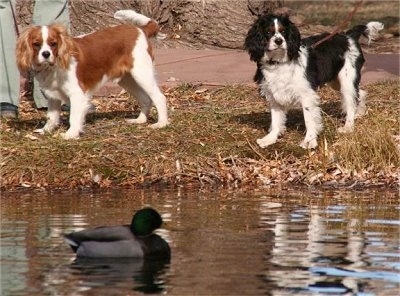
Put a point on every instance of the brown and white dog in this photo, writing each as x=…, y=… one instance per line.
x=71, y=69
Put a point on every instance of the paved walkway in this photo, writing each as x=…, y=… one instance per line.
x=218, y=67
x=175, y=66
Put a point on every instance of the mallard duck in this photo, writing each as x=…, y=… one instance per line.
x=134, y=241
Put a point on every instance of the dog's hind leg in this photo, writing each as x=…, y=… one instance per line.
x=144, y=75
x=349, y=78
x=348, y=106
x=129, y=84
x=150, y=93
x=361, y=107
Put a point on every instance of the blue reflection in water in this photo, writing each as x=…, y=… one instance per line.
x=382, y=221
x=338, y=250
x=387, y=276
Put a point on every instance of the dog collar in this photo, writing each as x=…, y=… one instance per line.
x=271, y=62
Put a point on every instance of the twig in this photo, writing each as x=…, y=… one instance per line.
x=191, y=59
x=255, y=151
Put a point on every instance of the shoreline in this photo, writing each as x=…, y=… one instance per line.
x=209, y=143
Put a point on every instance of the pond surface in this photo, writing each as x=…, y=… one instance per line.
x=223, y=243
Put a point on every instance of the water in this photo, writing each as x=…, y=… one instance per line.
x=223, y=243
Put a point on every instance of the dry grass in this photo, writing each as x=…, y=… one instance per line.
x=372, y=143
x=333, y=12
x=324, y=16
x=211, y=141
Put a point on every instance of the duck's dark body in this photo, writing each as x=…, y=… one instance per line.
x=117, y=242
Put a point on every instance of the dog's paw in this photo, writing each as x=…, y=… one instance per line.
x=68, y=135
x=159, y=125
x=345, y=129
x=139, y=120
x=266, y=141
x=48, y=128
x=361, y=111
x=309, y=144
x=40, y=131
x=142, y=118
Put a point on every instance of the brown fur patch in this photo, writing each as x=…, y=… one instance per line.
x=105, y=52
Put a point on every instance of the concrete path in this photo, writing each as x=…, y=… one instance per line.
x=175, y=66
x=216, y=67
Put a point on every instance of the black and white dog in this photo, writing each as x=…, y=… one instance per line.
x=290, y=69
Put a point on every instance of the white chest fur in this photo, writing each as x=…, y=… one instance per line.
x=59, y=83
x=285, y=83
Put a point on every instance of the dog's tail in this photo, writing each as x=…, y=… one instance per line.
x=149, y=26
x=369, y=30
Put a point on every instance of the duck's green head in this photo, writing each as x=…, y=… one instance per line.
x=145, y=221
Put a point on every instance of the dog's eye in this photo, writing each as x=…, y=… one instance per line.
x=53, y=44
x=36, y=44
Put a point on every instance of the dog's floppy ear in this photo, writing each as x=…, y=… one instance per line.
x=258, y=76
x=66, y=48
x=255, y=41
x=293, y=40
x=24, y=51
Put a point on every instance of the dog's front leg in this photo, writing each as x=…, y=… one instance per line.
x=53, y=116
x=313, y=122
x=79, y=105
x=277, y=128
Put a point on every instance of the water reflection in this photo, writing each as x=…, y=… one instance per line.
x=309, y=241
x=105, y=275
x=223, y=243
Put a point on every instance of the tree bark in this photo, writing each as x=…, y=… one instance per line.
x=198, y=22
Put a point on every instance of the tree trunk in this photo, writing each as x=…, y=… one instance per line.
x=198, y=22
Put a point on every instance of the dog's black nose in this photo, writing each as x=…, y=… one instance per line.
x=278, y=41
x=46, y=54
